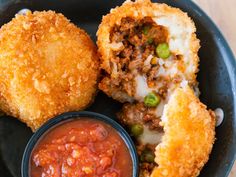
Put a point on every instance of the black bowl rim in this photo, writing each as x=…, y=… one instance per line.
x=229, y=60
x=70, y=116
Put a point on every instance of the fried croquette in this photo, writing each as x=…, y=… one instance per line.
x=146, y=47
x=47, y=66
x=189, y=134
x=147, y=51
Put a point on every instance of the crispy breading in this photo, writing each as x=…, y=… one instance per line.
x=182, y=38
x=189, y=136
x=47, y=66
x=189, y=127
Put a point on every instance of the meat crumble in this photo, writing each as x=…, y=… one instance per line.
x=140, y=48
x=139, y=39
x=139, y=114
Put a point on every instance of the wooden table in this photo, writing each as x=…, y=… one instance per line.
x=223, y=13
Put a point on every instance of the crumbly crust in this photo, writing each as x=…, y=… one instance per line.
x=189, y=134
x=47, y=66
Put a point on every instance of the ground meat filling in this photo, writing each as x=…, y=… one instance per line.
x=138, y=39
x=134, y=45
x=146, y=167
x=139, y=114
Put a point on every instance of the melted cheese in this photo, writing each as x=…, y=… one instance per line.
x=179, y=38
x=150, y=136
x=142, y=88
x=219, y=116
x=160, y=108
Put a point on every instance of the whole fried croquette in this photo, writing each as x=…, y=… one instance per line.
x=189, y=134
x=131, y=41
x=47, y=66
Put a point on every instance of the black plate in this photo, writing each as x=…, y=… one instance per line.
x=217, y=79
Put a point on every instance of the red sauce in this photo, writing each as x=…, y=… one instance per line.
x=81, y=148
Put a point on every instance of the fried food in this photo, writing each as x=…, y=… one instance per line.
x=47, y=66
x=189, y=134
x=148, y=50
x=146, y=47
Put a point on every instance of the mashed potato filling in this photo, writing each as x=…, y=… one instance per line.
x=139, y=66
x=137, y=58
x=138, y=69
x=144, y=58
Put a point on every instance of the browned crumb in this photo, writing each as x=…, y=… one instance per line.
x=188, y=139
x=47, y=66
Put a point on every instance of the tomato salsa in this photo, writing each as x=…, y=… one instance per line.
x=81, y=148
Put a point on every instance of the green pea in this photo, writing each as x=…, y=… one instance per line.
x=152, y=100
x=162, y=50
x=150, y=40
x=146, y=30
x=136, y=130
x=150, y=157
x=147, y=156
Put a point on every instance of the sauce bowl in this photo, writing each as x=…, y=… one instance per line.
x=60, y=120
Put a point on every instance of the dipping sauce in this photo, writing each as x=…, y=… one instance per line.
x=81, y=148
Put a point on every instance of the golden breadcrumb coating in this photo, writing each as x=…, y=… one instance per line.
x=182, y=38
x=189, y=136
x=47, y=66
x=189, y=128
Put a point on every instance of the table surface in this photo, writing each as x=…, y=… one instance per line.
x=222, y=13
